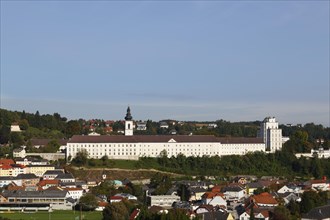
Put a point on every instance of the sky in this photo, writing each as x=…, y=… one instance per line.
x=183, y=60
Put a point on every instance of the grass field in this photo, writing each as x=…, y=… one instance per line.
x=56, y=215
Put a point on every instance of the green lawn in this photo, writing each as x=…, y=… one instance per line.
x=56, y=215
x=125, y=164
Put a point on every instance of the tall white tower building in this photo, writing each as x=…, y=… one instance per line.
x=128, y=123
x=271, y=134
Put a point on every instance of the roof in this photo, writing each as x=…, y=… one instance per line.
x=64, y=176
x=6, y=161
x=43, y=142
x=53, y=172
x=142, y=138
x=264, y=198
x=160, y=138
x=27, y=176
x=322, y=212
x=211, y=195
x=48, y=182
x=232, y=189
x=35, y=194
x=240, y=140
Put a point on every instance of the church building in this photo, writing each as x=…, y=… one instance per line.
x=131, y=147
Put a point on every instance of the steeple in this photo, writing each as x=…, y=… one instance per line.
x=128, y=114
x=128, y=123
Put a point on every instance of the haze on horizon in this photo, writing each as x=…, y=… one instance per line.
x=185, y=60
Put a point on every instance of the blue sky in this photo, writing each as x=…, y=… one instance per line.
x=185, y=60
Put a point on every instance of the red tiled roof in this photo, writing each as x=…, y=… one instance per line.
x=264, y=198
x=317, y=181
x=134, y=214
x=103, y=204
x=6, y=161
x=141, y=138
x=211, y=195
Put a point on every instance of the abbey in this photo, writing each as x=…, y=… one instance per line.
x=131, y=147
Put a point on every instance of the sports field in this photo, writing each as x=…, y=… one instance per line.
x=55, y=215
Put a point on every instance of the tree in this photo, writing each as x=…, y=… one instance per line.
x=88, y=202
x=311, y=199
x=116, y=210
x=183, y=192
x=281, y=213
x=81, y=158
x=72, y=128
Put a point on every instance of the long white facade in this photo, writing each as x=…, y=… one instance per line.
x=131, y=147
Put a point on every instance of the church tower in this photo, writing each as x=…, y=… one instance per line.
x=128, y=123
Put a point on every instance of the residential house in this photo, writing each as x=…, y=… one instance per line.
x=261, y=215
x=127, y=196
x=263, y=200
x=141, y=126
x=217, y=215
x=39, y=170
x=19, y=152
x=196, y=193
x=28, y=179
x=74, y=193
x=15, y=128
x=163, y=124
x=233, y=193
x=162, y=200
x=214, y=199
x=65, y=177
x=52, y=174
x=45, y=184
x=115, y=199
x=251, y=187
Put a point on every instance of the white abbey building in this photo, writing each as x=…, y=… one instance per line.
x=131, y=147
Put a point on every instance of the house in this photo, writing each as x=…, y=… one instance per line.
x=141, y=126
x=251, y=187
x=19, y=152
x=319, y=213
x=6, y=180
x=115, y=199
x=65, y=177
x=218, y=215
x=12, y=169
x=52, y=174
x=263, y=200
x=45, y=184
x=127, y=196
x=39, y=170
x=163, y=124
x=57, y=199
x=233, y=193
x=162, y=200
x=31, y=161
x=196, y=193
x=204, y=209
x=214, y=199
x=74, y=193
x=287, y=197
x=320, y=185
x=258, y=215
x=15, y=128
x=29, y=179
